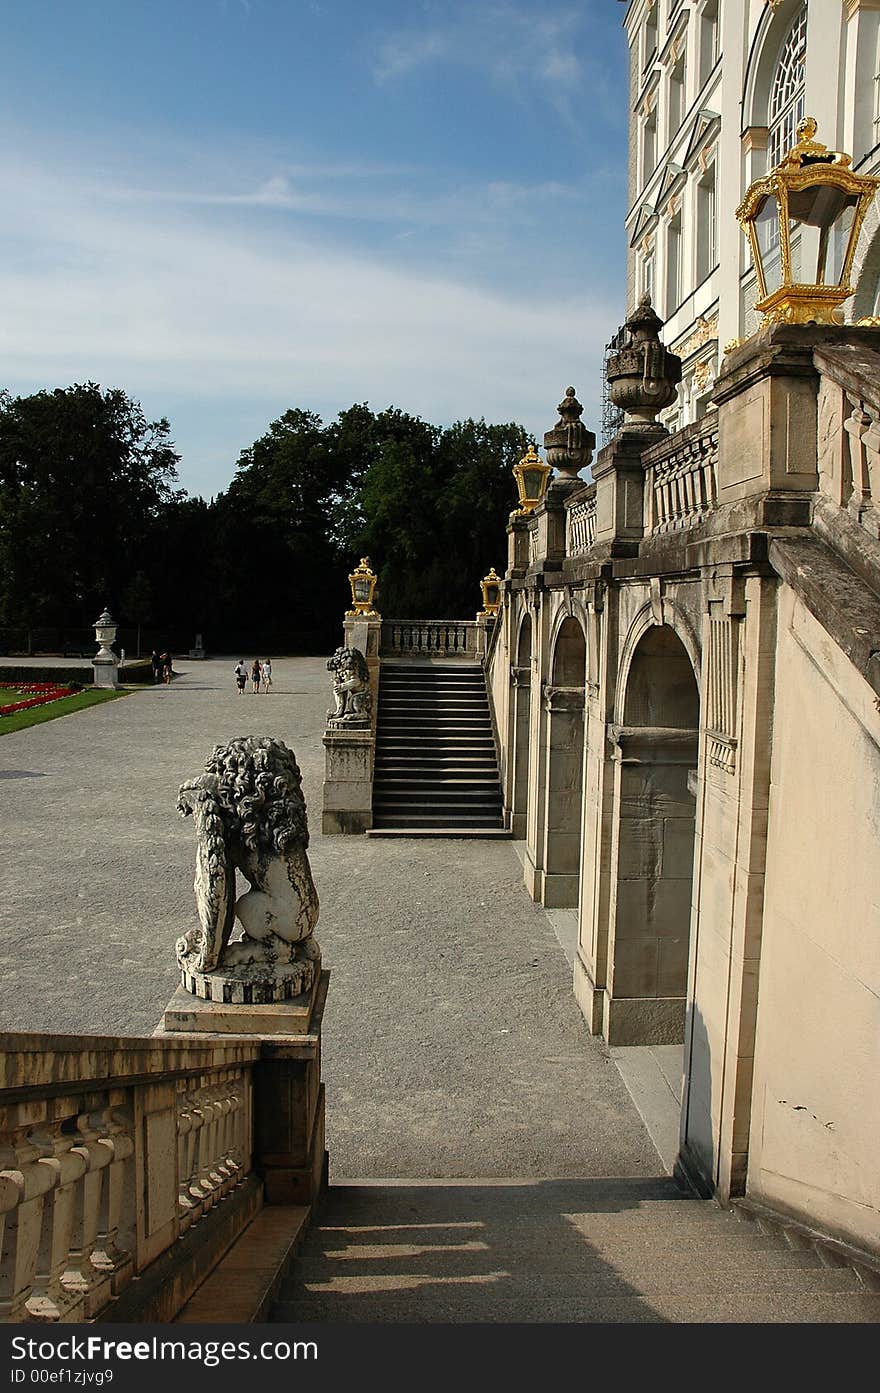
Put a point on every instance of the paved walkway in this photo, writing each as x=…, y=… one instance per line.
x=453, y=1045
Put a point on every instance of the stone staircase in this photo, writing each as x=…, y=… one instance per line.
x=569, y=1251
x=436, y=770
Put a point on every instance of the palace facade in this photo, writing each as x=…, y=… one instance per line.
x=717, y=88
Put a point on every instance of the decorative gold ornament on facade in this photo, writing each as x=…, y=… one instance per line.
x=363, y=585
x=702, y=373
x=491, y=588
x=531, y=474
x=812, y=187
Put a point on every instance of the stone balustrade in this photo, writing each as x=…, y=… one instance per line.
x=580, y=524
x=681, y=477
x=429, y=638
x=849, y=430
x=111, y=1150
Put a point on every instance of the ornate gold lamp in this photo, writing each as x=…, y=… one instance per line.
x=363, y=585
x=491, y=588
x=812, y=187
x=531, y=474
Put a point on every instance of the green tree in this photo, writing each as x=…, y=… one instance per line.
x=83, y=473
x=434, y=505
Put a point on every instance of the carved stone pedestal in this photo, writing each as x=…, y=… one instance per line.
x=348, y=780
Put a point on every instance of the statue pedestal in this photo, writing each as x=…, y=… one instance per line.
x=289, y=1151
x=348, y=780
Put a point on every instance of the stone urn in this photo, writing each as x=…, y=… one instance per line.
x=569, y=445
x=643, y=376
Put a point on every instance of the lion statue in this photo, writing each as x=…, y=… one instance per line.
x=351, y=688
x=250, y=816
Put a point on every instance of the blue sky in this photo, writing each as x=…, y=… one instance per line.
x=230, y=207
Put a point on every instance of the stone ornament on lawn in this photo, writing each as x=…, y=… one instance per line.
x=250, y=816
x=351, y=689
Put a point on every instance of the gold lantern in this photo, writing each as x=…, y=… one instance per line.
x=491, y=588
x=813, y=192
x=531, y=474
x=363, y=585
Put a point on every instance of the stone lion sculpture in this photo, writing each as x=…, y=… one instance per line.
x=250, y=816
x=351, y=688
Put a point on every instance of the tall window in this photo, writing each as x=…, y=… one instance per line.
x=650, y=36
x=787, y=91
x=649, y=145
x=646, y=278
x=676, y=98
x=707, y=248
x=708, y=39
x=673, y=265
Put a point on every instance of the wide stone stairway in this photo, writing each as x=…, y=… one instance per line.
x=436, y=768
x=570, y=1251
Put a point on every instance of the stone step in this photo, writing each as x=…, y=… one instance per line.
x=555, y=1251
x=627, y=1307
x=449, y=833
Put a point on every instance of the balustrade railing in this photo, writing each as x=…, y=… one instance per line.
x=429, y=638
x=580, y=523
x=848, y=446
x=110, y=1150
x=680, y=477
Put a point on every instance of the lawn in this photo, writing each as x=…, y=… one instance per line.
x=64, y=706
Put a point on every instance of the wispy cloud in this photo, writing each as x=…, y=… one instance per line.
x=167, y=298
x=533, y=48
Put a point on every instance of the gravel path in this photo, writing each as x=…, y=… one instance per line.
x=452, y=1044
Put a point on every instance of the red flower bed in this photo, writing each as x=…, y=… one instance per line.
x=35, y=694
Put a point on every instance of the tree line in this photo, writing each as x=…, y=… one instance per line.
x=91, y=514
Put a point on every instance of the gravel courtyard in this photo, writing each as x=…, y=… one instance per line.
x=452, y=1042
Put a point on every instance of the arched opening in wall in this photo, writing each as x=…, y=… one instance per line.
x=654, y=843
x=520, y=712
x=564, y=699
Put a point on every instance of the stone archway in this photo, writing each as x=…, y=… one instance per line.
x=520, y=717
x=653, y=843
x=564, y=702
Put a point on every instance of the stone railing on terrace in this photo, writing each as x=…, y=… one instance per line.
x=848, y=445
x=111, y=1150
x=681, y=477
x=429, y=638
x=580, y=522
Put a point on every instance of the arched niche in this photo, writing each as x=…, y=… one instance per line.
x=563, y=803
x=772, y=32
x=654, y=839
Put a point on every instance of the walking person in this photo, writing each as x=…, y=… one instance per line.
x=255, y=674
x=241, y=674
x=167, y=669
x=267, y=673
x=156, y=664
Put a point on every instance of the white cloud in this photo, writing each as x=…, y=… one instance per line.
x=219, y=310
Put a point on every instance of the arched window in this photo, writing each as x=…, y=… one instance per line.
x=787, y=91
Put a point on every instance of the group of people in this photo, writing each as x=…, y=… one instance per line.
x=260, y=674
x=161, y=664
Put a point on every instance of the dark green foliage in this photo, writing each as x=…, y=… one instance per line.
x=82, y=476
x=88, y=517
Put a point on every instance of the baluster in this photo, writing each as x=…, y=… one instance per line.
x=117, y=1193
x=50, y=1300
x=185, y=1139
x=81, y=1277
x=24, y=1183
x=195, y=1189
